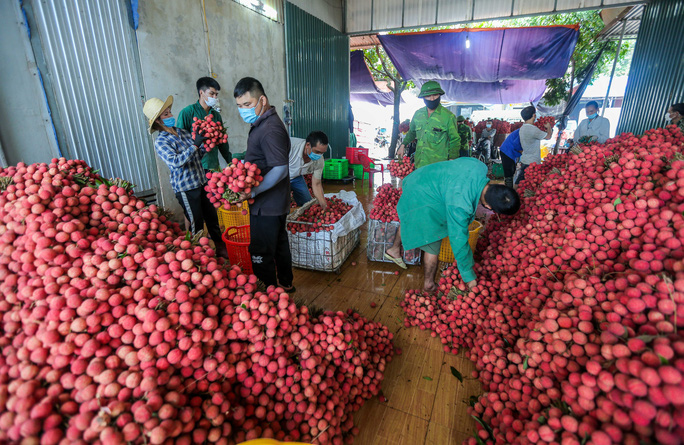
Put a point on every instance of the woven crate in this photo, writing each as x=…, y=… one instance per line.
x=237, y=243
x=381, y=236
x=336, y=169
x=232, y=216
x=445, y=253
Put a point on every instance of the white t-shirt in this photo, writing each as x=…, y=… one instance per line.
x=297, y=165
x=599, y=127
x=530, y=140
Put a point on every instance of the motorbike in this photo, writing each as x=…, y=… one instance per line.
x=381, y=138
x=485, y=151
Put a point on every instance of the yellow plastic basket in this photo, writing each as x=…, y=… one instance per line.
x=232, y=216
x=544, y=152
x=445, y=253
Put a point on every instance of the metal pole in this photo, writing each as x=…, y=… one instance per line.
x=612, y=72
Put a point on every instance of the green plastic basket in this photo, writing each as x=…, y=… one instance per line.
x=239, y=156
x=497, y=170
x=336, y=169
x=358, y=170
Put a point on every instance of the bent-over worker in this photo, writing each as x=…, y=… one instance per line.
x=439, y=201
x=306, y=157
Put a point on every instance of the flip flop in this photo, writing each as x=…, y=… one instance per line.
x=398, y=261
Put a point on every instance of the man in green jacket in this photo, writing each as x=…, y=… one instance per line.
x=433, y=128
x=207, y=89
x=439, y=201
x=466, y=138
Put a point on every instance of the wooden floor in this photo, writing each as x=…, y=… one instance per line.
x=425, y=403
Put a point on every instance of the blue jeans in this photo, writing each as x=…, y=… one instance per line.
x=300, y=190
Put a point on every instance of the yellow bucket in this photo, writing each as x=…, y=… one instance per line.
x=232, y=216
x=445, y=253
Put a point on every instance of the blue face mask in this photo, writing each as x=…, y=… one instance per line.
x=592, y=116
x=169, y=122
x=249, y=114
x=315, y=156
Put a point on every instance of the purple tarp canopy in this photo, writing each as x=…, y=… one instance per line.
x=361, y=84
x=500, y=66
x=501, y=92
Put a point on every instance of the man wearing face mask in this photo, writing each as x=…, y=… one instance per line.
x=207, y=90
x=675, y=116
x=433, y=128
x=306, y=157
x=268, y=146
x=487, y=139
x=594, y=127
x=183, y=155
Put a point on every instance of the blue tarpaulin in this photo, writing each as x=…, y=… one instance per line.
x=507, y=65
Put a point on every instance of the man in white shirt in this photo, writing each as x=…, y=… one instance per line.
x=593, y=128
x=306, y=157
x=530, y=140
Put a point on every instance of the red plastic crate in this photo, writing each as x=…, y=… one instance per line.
x=353, y=151
x=237, y=242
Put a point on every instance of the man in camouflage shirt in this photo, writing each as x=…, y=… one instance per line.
x=433, y=128
x=466, y=138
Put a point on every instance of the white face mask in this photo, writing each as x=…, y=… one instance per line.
x=211, y=102
x=667, y=117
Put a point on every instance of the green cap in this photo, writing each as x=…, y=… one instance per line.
x=429, y=88
x=460, y=118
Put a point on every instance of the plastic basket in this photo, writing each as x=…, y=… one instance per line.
x=381, y=236
x=232, y=216
x=544, y=151
x=497, y=170
x=237, y=242
x=353, y=151
x=445, y=253
x=239, y=156
x=358, y=170
x=336, y=169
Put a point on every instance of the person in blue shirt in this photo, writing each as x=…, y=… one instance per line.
x=183, y=155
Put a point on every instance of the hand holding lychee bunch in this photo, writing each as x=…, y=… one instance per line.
x=402, y=167
x=542, y=121
x=225, y=187
x=210, y=129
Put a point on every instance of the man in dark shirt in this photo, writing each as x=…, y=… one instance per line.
x=268, y=146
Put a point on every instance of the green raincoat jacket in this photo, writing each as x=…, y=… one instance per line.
x=210, y=160
x=439, y=201
x=436, y=136
x=466, y=137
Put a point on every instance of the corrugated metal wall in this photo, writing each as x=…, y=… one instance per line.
x=92, y=80
x=317, y=77
x=364, y=16
x=656, y=76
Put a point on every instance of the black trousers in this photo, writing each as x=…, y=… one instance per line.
x=199, y=210
x=270, y=250
x=508, y=165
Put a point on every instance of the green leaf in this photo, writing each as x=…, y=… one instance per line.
x=482, y=422
x=429, y=379
x=586, y=438
x=456, y=374
x=647, y=338
x=541, y=420
x=244, y=306
x=479, y=440
x=472, y=401
x=525, y=365
x=507, y=343
x=617, y=201
x=663, y=360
